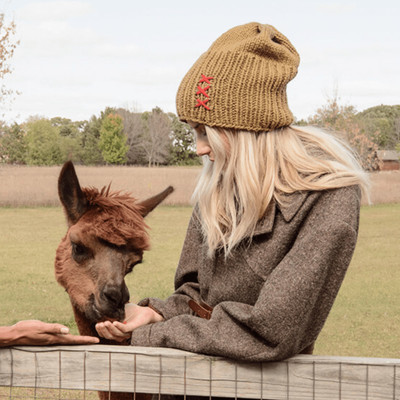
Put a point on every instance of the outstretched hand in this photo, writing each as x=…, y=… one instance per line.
x=135, y=316
x=34, y=332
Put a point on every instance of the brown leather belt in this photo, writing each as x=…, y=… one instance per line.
x=201, y=309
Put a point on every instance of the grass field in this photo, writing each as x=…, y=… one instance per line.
x=365, y=320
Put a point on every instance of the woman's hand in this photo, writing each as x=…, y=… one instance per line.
x=33, y=332
x=135, y=316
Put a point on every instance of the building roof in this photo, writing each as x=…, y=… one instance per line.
x=388, y=155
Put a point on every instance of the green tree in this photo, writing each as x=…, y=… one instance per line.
x=70, y=139
x=67, y=128
x=90, y=152
x=70, y=148
x=382, y=124
x=43, y=143
x=13, y=145
x=183, y=144
x=112, y=140
x=89, y=138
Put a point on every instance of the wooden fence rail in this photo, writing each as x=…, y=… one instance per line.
x=169, y=371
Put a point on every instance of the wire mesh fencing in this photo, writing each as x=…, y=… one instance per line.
x=79, y=372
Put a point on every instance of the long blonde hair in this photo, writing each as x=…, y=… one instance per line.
x=251, y=170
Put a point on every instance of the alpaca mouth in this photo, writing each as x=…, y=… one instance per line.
x=95, y=313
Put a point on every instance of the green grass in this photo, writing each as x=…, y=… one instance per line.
x=365, y=320
x=48, y=394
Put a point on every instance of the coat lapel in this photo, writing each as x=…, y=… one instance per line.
x=289, y=209
x=266, y=223
x=292, y=204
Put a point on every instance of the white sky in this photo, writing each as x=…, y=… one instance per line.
x=77, y=57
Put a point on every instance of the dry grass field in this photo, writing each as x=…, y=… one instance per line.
x=37, y=186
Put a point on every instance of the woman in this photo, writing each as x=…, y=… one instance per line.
x=34, y=332
x=276, y=216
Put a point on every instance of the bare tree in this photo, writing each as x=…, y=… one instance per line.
x=134, y=129
x=157, y=139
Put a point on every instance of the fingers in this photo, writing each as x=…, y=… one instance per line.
x=59, y=334
x=109, y=331
x=43, y=327
x=57, y=329
x=124, y=327
x=34, y=332
x=72, y=339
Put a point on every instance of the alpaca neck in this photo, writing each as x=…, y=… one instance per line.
x=84, y=327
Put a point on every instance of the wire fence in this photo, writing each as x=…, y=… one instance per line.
x=78, y=372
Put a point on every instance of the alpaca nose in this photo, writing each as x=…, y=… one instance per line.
x=116, y=295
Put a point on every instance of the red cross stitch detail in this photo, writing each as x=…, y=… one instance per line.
x=202, y=90
x=205, y=79
x=202, y=103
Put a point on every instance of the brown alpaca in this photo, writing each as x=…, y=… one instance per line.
x=106, y=238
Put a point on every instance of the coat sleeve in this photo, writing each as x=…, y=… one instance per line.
x=293, y=303
x=186, y=282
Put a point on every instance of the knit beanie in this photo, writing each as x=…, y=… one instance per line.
x=240, y=81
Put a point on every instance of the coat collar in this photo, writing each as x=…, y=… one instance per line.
x=292, y=204
x=289, y=209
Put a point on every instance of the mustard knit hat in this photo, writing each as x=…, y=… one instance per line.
x=240, y=81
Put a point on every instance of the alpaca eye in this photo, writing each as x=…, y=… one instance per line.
x=79, y=252
x=132, y=265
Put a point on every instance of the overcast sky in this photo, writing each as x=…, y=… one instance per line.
x=77, y=57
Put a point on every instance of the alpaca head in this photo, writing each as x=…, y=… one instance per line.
x=106, y=238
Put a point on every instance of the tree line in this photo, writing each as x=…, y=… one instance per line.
x=376, y=128
x=117, y=136
x=120, y=136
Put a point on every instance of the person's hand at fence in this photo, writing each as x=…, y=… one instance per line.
x=34, y=332
x=135, y=316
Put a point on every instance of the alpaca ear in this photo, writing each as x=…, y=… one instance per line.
x=151, y=203
x=71, y=195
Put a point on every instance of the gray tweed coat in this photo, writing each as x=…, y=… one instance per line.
x=270, y=298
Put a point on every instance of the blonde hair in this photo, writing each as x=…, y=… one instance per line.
x=251, y=170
